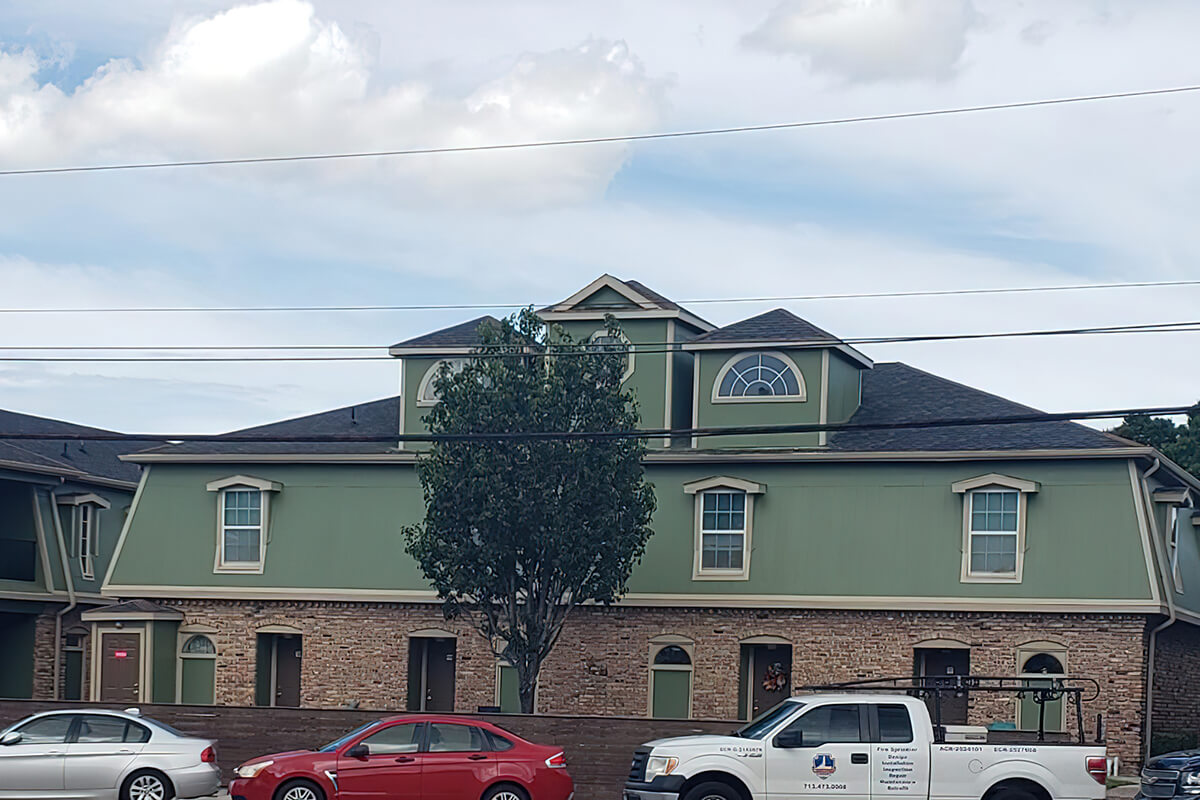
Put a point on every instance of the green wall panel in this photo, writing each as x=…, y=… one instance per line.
x=844, y=386
x=198, y=681
x=16, y=655
x=163, y=660
x=672, y=692
x=710, y=414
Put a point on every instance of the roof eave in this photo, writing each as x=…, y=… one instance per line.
x=807, y=344
x=429, y=351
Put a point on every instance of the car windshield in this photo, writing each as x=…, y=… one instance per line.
x=334, y=745
x=766, y=721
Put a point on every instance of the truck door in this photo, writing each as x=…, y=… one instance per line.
x=899, y=763
x=824, y=753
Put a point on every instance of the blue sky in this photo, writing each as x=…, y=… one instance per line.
x=1104, y=192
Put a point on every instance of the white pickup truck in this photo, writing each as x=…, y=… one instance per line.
x=856, y=746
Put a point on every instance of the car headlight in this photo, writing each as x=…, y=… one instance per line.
x=1191, y=781
x=252, y=770
x=660, y=765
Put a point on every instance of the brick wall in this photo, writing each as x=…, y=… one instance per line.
x=44, y=650
x=1176, y=689
x=357, y=653
x=597, y=755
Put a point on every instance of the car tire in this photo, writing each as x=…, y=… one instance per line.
x=712, y=790
x=1012, y=793
x=506, y=791
x=299, y=790
x=147, y=784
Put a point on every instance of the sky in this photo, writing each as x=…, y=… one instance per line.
x=1098, y=192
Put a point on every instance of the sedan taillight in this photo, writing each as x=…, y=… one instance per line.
x=208, y=756
x=557, y=761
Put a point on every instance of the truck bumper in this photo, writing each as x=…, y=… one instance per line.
x=665, y=787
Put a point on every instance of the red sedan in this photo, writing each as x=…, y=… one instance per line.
x=433, y=758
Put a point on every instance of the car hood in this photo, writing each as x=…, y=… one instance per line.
x=1180, y=760
x=709, y=742
x=289, y=755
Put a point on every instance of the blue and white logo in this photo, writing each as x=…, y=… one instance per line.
x=824, y=765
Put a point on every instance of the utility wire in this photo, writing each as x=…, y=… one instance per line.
x=695, y=301
x=635, y=137
x=651, y=433
x=505, y=351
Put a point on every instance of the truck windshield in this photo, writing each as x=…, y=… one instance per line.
x=767, y=720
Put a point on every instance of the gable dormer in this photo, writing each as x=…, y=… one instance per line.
x=773, y=369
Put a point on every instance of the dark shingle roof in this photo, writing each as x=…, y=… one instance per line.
x=465, y=334
x=653, y=296
x=895, y=392
x=378, y=417
x=68, y=457
x=777, y=325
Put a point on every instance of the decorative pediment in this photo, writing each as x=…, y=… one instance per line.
x=724, y=482
x=244, y=480
x=995, y=479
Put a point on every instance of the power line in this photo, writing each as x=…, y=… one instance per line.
x=635, y=137
x=579, y=349
x=694, y=301
x=1033, y=417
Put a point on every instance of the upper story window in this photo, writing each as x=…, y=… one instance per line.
x=604, y=341
x=993, y=527
x=757, y=377
x=85, y=526
x=242, y=522
x=427, y=394
x=724, y=521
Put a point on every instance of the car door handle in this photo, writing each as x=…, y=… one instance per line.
x=125, y=752
x=477, y=757
x=858, y=758
x=405, y=759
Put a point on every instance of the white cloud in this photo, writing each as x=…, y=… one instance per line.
x=870, y=40
x=276, y=79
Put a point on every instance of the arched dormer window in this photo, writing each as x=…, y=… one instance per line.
x=427, y=393
x=759, y=377
x=602, y=340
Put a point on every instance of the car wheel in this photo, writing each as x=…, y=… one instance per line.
x=505, y=791
x=1012, y=793
x=147, y=785
x=300, y=790
x=712, y=790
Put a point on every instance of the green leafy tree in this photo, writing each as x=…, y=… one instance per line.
x=518, y=531
x=1180, y=443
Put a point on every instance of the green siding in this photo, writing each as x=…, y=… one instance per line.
x=672, y=691
x=712, y=414
x=198, y=681
x=510, y=690
x=844, y=385
x=604, y=297
x=16, y=655
x=163, y=659
x=821, y=529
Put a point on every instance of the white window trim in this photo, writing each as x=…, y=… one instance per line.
x=717, y=484
x=993, y=482
x=427, y=379
x=88, y=512
x=786, y=359
x=243, y=483
x=628, y=353
x=657, y=644
x=186, y=633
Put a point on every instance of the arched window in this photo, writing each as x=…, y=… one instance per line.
x=759, y=376
x=1034, y=660
x=197, y=670
x=671, y=677
x=427, y=393
x=605, y=341
x=1042, y=663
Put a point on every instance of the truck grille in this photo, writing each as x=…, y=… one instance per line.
x=1159, y=782
x=637, y=772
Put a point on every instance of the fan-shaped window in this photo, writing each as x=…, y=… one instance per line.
x=1042, y=663
x=759, y=376
x=604, y=341
x=199, y=646
x=672, y=654
x=427, y=394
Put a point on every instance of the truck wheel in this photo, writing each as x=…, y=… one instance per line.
x=712, y=790
x=1012, y=793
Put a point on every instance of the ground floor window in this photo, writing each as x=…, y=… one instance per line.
x=197, y=670
x=671, y=679
x=1037, y=663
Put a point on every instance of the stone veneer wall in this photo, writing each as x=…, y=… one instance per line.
x=356, y=653
x=44, y=651
x=1176, y=689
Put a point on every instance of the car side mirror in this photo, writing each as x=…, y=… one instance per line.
x=12, y=737
x=358, y=751
x=790, y=738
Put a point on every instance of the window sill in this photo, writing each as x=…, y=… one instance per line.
x=252, y=568
x=774, y=398
x=986, y=578
x=715, y=575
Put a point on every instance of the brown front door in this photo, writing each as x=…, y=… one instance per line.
x=945, y=663
x=766, y=677
x=287, y=671
x=120, y=667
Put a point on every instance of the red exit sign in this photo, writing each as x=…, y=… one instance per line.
x=120, y=654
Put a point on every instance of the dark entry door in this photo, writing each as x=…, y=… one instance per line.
x=431, y=663
x=287, y=671
x=945, y=663
x=120, y=667
x=766, y=677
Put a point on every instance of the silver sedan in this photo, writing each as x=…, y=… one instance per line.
x=103, y=755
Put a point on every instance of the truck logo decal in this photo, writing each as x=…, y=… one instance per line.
x=824, y=765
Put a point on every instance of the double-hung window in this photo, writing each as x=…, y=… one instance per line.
x=724, y=522
x=242, y=522
x=89, y=535
x=994, y=512
x=83, y=537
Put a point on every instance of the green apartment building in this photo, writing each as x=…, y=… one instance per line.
x=275, y=574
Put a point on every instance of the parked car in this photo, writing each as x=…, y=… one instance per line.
x=103, y=755
x=1171, y=775
x=413, y=757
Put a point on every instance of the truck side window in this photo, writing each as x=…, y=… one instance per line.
x=894, y=724
x=835, y=724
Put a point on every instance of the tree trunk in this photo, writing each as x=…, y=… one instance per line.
x=527, y=684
